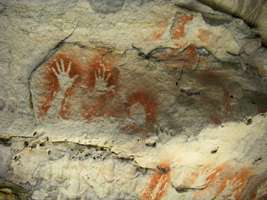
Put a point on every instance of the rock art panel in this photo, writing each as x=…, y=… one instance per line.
x=84, y=83
x=223, y=181
x=78, y=84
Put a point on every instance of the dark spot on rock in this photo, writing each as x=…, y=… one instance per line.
x=11, y=108
x=249, y=121
x=252, y=102
x=2, y=104
x=49, y=152
x=16, y=158
x=106, y=6
x=189, y=92
x=257, y=160
x=34, y=133
x=26, y=143
x=5, y=141
x=33, y=146
x=163, y=170
x=152, y=144
x=214, y=151
x=87, y=155
x=42, y=144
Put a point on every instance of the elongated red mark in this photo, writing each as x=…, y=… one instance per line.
x=179, y=28
x=158, y=184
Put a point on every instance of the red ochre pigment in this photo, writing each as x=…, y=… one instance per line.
x=147, y=100
x=179, y=29
x=158, y=184
x=96, y=106
x=51, y=84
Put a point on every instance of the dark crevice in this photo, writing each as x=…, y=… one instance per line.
x=116, y=155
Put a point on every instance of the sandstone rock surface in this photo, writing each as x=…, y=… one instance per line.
x=130, y=100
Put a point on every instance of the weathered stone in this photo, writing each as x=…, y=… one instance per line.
x=145, y=100
x=107, y=6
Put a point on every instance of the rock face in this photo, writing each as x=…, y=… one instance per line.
x=130, y=100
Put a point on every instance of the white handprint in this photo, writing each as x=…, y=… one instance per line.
x=63, y=76
x=65, y=82
x=101, y=84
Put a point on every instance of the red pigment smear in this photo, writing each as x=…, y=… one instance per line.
x=95, y=110
x=158, y=34
x=191, y=56
x=227, y=98
x=204, y=35
x=99, y=62
x=179, y=29
x=216, y=179
x=223, y=175
x=160, y=181
x=239, y=182
x=210, y=78
x=146, y=100
x=105, y=67
x=51, y=84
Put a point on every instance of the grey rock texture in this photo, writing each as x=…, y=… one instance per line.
x=131, y=100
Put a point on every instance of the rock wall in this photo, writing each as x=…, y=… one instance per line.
x=129, y=100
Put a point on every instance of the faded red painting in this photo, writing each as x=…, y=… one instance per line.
x=179, y=29
x=218, y=81
x=223, y=180
x=158, y=184
x=66, y=66
x=77, y=89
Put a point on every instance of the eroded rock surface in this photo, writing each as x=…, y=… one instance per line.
x=130, y=100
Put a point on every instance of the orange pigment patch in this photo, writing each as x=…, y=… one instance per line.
x=158, y=184
x=204, y=35
x=240, y=181
x=216, y=179
x=146, y=100
x=51, y=84
x=220, y=177
x=191, y=56
x=179, y=28
x=161, y=29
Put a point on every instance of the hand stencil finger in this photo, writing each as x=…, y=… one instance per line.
x=108, y=77
x=55, y=72
x=75, y=77
x=62, y=65
x=58, y=67
x=69, y=67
